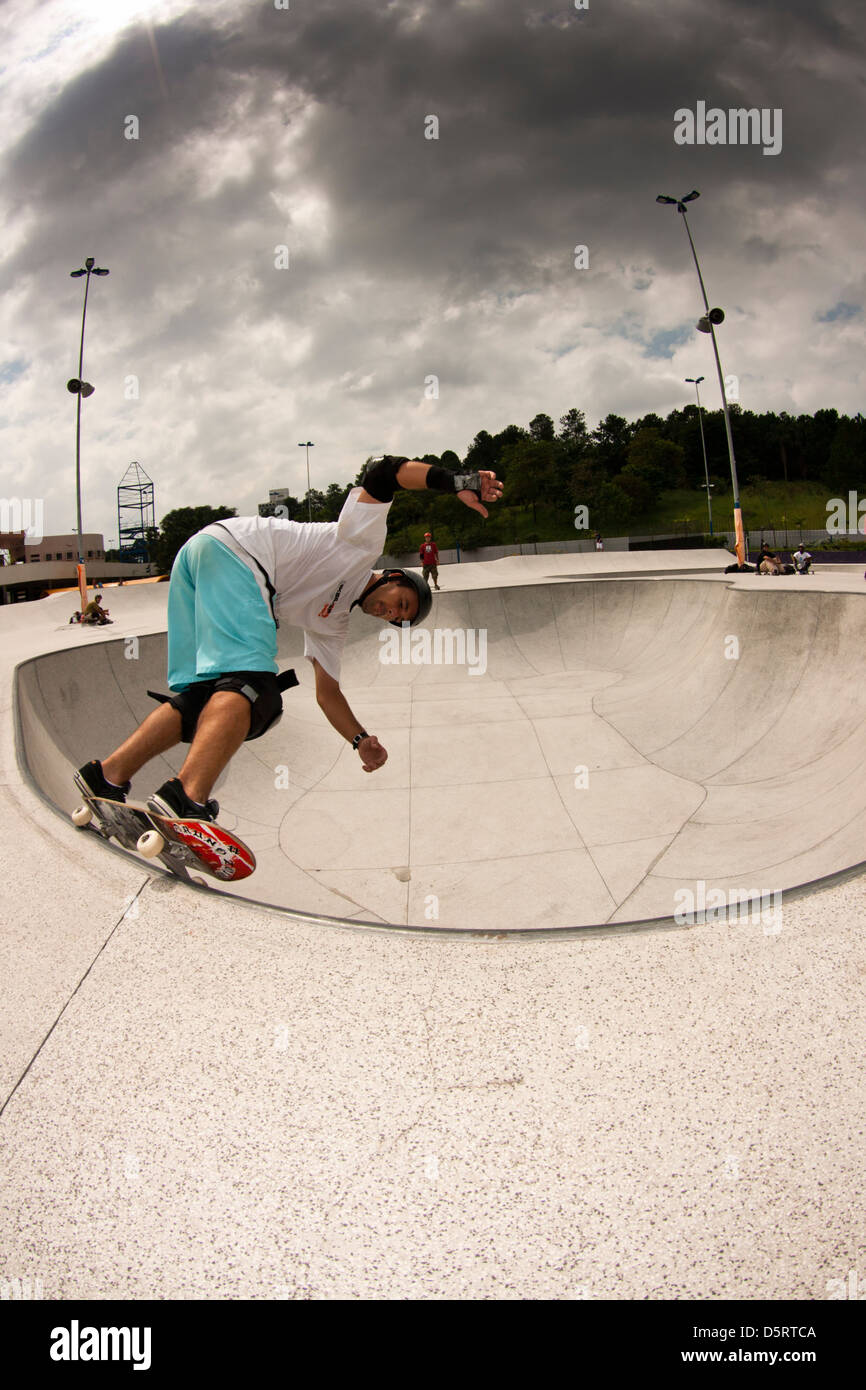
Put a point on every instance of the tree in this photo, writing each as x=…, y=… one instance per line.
x=531, y=466
x=658, y=462
x=817, y=433
x=482, y=453
x=846, y=461
x=313, y=506
x=541, y=428
x=573, y=433
x=410, y=507
x=608, y=505
x=151, y=541
x=512, y=434
x=637, y=488
x=335, y=497
x=176, y=528
x=610, y=441
x=649, y=422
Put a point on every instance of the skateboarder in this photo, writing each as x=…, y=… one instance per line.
x=230, y=585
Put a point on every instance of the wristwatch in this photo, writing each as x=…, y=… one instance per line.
x=358, y=737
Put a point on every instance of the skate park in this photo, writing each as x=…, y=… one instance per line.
x=450, y=1040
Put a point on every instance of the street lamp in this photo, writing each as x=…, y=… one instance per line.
x=308, y=446
x=706, y=324
x=695, y=380
x=82, y=389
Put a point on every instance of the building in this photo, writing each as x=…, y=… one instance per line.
x=65, y=548
x=36, y=568
x=11, y=545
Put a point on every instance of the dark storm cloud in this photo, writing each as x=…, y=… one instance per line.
x=305, y=128
x=77, y=142
x=552, y=121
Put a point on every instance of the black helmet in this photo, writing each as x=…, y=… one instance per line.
x=422, y=589
x=411, y=581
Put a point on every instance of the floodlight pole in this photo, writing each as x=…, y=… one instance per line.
x=308, y=446
x=706, y=325
x=81, y=388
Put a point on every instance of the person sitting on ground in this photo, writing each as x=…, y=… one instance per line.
x=802, y=560
x=95, y=613
x=429, y=556
x=230, y=585
x=769, y=561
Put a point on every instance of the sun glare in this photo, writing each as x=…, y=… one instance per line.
x=110, y=16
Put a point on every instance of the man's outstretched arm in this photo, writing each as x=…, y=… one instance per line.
x=384, y=476
x=335, y=707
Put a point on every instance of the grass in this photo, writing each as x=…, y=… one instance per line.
x=768, y=506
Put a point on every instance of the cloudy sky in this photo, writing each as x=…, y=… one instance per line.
x=304, y=125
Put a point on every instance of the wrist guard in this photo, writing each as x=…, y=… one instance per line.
x=440, y=480
x=380, y=476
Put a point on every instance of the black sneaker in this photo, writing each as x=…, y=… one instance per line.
x=171, y=800
x=90, y=779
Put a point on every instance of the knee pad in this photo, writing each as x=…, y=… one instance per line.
x=262, y=689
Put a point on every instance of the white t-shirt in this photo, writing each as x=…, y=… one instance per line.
x=317, y=569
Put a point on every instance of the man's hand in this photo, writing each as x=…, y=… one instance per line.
x=491, y=491
x=372, y=753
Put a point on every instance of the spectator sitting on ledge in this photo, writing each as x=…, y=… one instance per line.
x=95, y=613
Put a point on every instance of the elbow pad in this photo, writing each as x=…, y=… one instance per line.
x=380, y=477
x=440, y=480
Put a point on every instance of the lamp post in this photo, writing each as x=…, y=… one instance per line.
x=696, y=380
x=81, y=388
x=706, y=324
x=308, y=446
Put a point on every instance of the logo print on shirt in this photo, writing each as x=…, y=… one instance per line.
x=326, y=611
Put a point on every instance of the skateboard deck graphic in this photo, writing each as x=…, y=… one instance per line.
x=181, y=844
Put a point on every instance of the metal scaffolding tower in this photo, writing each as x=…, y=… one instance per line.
x=135, y=512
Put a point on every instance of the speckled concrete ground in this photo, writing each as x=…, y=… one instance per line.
x=208, y=1100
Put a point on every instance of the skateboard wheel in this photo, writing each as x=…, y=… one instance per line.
x=82, y=815
x=150, y=844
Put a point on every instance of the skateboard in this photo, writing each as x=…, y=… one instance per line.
x=180, y=844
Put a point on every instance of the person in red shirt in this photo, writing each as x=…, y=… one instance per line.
x=429, y=554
